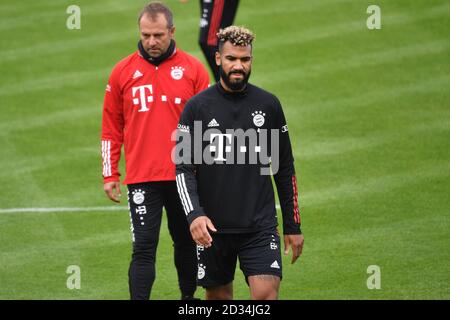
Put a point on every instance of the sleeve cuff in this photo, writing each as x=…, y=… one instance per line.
x=111, y=179
x=195, y=214
x=295, y=229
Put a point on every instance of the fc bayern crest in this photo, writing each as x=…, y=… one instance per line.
x=201, y=271
x=177, y=73
x=258, y=118
x=138, y=196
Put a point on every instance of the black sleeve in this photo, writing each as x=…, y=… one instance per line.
x=185, y=167
x=285, y=179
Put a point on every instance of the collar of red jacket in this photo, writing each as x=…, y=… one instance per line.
x=158, y=60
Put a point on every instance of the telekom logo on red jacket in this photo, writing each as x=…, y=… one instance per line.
x=141, y=97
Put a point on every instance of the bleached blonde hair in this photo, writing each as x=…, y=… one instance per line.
x=238, y=36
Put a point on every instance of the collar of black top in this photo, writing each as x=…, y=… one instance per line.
x=232, y=94
x=158, y=60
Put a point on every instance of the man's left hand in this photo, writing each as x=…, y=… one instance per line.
x=296, y=242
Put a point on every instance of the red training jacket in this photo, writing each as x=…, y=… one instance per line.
x=141, y=109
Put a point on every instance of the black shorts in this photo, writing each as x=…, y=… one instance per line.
x=259, y=253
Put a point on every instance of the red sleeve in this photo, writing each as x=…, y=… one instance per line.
x=112, y=128
x=202, y=79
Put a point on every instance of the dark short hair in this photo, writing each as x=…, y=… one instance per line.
x=238, y=36
x=154, y=8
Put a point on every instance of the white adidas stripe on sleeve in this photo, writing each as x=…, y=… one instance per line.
x=106, y=155
x=187, y=194
x=184, y=195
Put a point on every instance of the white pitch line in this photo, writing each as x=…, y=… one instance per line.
x=69, y=209
x=63, y=209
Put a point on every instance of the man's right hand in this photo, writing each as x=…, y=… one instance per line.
x=199, y=231
x=112, y=190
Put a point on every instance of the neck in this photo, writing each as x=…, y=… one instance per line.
x=157, y=60
x=228, y=89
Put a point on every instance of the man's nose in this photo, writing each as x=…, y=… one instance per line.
x=151, y=41
x=237, y=66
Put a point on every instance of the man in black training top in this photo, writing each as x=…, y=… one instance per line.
x=230, y=139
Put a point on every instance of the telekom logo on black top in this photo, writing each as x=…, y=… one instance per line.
x=235, y=146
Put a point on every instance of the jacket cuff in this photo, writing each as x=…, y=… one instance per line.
x=111, y=179
x=195, y=214
x=292, y=229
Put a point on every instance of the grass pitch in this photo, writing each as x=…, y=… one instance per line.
x=369, y=119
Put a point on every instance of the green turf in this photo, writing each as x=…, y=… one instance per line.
x=369, y=119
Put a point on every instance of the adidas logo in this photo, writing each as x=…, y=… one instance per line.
x=213, y=123
x=275, y=265
x=137, y=74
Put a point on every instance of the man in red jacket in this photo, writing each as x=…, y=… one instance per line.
x=144, y=98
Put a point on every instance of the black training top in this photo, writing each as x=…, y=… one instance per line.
x=223, y=168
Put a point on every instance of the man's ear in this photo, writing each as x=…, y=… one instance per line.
x=218, y=58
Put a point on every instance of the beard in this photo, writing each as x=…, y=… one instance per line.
x=235, y=85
